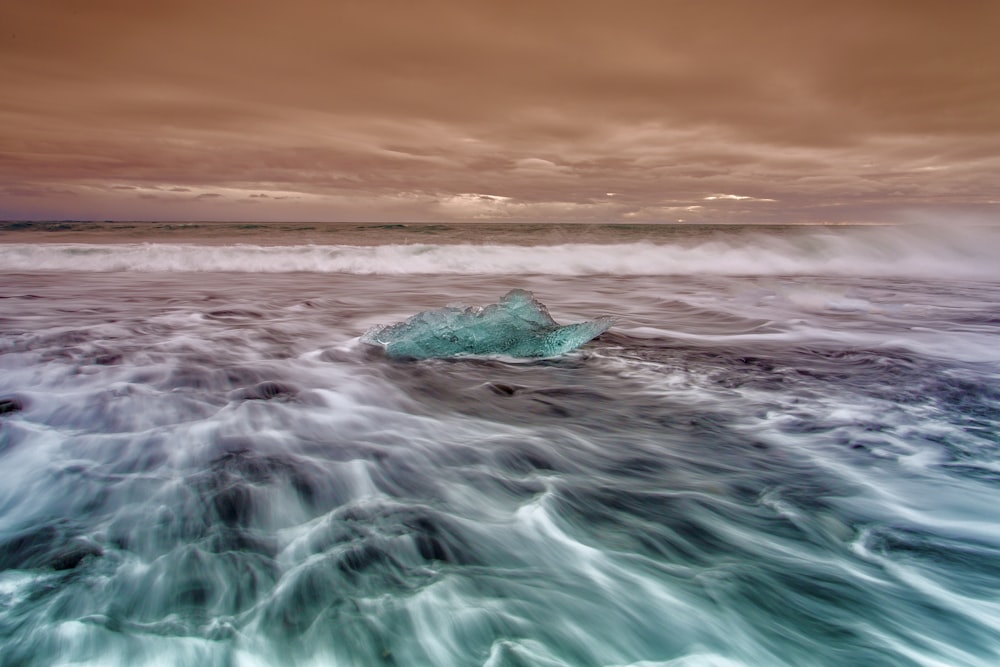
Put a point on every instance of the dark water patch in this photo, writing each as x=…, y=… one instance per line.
x=978, y=563
x=238, y=486
x=523, y=458
x=869, y=371
x=658, y=524
x=265, y=391
x=356, y=552
x=45, y=226
x=221, y=584
x=233, y=314
x=108, y=358
x=810, y=615
x=17, y=225
x=65, y=338
x=971, y=399
x=975, y=471
x=230, y=539
x=203, y=376
x=432, y=229
x=11, y=404
x=56, y=546
x=231, y=506
x=501, y=389
x=557, y=389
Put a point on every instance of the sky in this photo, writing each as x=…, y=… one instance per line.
x=381, y=110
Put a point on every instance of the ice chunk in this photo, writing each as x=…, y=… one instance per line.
x=518, y=326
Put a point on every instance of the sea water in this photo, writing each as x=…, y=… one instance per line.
x=784, y=452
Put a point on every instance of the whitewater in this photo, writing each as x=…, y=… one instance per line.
x=784, y=451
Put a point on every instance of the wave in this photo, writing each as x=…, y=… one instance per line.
x=961, y=254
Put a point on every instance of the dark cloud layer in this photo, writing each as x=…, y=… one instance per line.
x=310, y=109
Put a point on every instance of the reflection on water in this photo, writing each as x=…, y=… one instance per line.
x=207, y=469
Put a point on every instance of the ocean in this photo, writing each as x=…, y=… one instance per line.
x=785, y=451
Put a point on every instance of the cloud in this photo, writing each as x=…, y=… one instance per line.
x=787, y=110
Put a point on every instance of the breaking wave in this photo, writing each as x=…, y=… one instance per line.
x=881, y=252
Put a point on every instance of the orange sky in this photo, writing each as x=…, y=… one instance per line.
x=666, y=110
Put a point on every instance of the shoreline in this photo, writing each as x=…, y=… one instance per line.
x=370, y=234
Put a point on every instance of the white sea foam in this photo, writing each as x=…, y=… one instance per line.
x=868, y=252
x=209, y=469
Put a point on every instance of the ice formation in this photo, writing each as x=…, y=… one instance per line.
x=518, y=326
